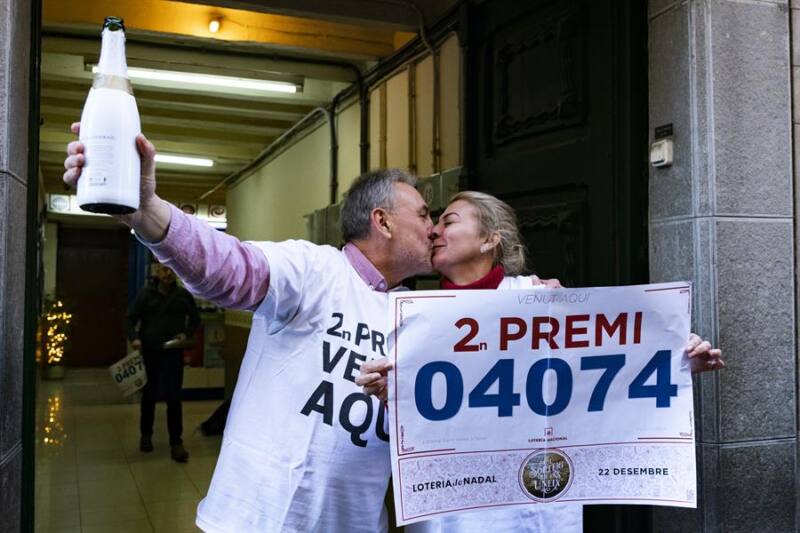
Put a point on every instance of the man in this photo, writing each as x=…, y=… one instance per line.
x=160, y=321
x=304, y=449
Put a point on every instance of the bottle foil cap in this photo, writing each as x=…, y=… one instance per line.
x=114, y=23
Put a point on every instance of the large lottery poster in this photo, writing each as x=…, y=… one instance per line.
x=508, y=398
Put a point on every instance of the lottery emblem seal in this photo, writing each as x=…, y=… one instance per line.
x=545, y=475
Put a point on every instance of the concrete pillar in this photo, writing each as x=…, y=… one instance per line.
x=14, y=179
x=722, y=216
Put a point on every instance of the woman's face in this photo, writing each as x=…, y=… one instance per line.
x=457, y=237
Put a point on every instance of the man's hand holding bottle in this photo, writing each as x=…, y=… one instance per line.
x=151, y=221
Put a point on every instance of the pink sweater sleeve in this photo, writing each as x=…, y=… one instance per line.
x=213, y=265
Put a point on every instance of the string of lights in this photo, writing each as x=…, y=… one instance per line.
x=57, y=321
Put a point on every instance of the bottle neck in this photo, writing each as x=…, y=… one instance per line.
x=112, y=54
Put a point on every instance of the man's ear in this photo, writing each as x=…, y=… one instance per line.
x=379, y=219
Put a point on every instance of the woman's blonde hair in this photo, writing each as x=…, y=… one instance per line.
x=496, y=216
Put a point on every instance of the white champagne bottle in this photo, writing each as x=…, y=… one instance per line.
x=109, y=181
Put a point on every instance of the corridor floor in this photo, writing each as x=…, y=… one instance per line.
x=90, y=474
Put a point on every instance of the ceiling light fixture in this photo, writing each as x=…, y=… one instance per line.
x=209, y=79
x=214, y=25
x=184, y=160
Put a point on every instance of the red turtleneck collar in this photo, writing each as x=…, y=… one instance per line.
x=491, y=280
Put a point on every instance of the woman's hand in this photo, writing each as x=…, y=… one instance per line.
x=373, y=377
x=702, y=357
x=548, y=283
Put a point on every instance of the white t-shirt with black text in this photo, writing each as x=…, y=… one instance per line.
x=304, y=449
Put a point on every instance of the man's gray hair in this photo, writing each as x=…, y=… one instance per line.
x=369, y=191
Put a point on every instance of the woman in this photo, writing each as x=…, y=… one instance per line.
x=476, y=245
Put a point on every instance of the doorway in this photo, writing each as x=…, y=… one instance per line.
x=557, y=127
x=92, y=281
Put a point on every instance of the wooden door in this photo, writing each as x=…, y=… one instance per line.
x=556, y=125
x=92, y=280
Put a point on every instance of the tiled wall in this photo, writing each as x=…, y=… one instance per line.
x=722, y=216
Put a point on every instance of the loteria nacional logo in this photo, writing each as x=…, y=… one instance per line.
x=545, y=475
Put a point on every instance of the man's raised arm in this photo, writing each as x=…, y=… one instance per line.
x=212, y=265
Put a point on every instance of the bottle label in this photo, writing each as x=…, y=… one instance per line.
x=100, y=159
x=109, y=81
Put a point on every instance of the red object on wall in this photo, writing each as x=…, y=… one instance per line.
x=194, y=356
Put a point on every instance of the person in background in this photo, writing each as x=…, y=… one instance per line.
x=161, y=321
x=477, y=245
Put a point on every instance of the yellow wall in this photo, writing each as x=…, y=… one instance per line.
x=348, y=131
x=49, y=258
x=450, y=98
x=397, y=121
x=424, y=116
x=272, y=202
x=404, y=98
x=377, y=140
